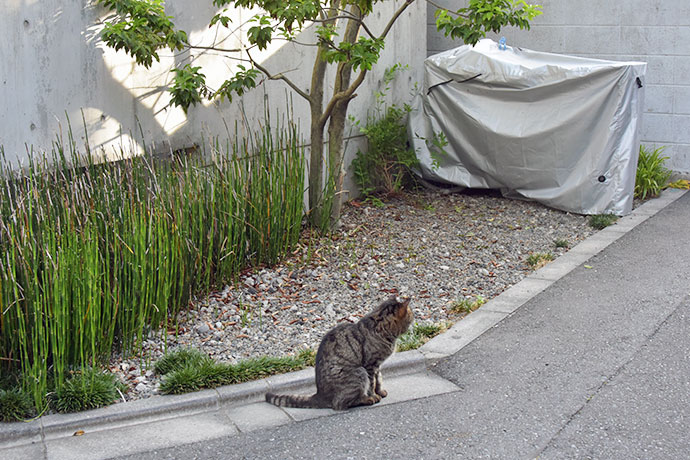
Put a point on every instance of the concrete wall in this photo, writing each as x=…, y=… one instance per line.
x=653, y=31
x=53, y=66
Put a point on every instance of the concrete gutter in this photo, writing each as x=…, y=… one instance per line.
x=159, y=408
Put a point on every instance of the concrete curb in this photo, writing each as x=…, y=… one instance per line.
x=171, y=406
x=400, y=364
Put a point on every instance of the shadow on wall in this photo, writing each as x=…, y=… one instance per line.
x=149, y=113
x=55, y=67
x=134, y=97
x=58, y=67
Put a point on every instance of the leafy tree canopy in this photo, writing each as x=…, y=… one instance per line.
x=344, y=40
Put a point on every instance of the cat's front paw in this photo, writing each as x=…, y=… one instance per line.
x=381, y=392
x=370, y=400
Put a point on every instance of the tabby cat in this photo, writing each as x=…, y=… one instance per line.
x=348, y=360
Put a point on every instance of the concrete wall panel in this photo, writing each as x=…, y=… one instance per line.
x=54, y=66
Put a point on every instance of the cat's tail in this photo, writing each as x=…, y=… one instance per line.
x=303, y=401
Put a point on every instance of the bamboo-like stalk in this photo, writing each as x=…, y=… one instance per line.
x=95, y=257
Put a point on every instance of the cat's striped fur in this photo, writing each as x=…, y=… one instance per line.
x=349, y=357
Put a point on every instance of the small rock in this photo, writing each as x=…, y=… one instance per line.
x=444, y=267
x=219, y=325
x=400, y=265
x=141, y=388
x=249, y=281
x=203, y=329
x=484, y=271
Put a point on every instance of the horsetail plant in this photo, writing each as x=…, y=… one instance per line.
x=94, y=257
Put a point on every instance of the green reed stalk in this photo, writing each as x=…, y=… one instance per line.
x=94, y=257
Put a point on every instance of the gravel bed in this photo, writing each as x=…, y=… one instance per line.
x=435, y=247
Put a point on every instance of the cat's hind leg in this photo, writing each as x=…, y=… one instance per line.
x=354, y=391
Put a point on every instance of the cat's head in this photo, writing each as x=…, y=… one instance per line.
x=396, y=315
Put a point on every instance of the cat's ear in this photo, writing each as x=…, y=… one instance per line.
x=401, y=310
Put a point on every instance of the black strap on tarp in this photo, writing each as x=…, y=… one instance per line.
x=446, y=82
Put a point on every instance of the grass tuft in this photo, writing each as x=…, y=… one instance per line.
x=601, y=221
x=178, y=359
x=651, y=176
x=467, y=304
x=539, y=259
x=200, y=371
x=561, y=243
x=681, y=184
x=418, y=335
x=86, y=389
x=15, y=405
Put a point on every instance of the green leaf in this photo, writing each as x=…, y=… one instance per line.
x=141, y=28
x=225, y=20
x=242, y=80
x=480, y=16
x=189, y=85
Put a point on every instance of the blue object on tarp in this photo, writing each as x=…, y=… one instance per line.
x=502, y=44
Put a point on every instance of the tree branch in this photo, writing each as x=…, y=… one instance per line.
x=439, y=7
x=351, y=18
x=280, y=76
x=395, y=17
x=213, y=48
x=343, y=95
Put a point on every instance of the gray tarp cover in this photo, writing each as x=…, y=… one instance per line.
x=556, y=129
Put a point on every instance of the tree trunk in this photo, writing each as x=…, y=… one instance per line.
x=336, y=154
x=315, y=166
x=318, y=123
x=336, y=125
